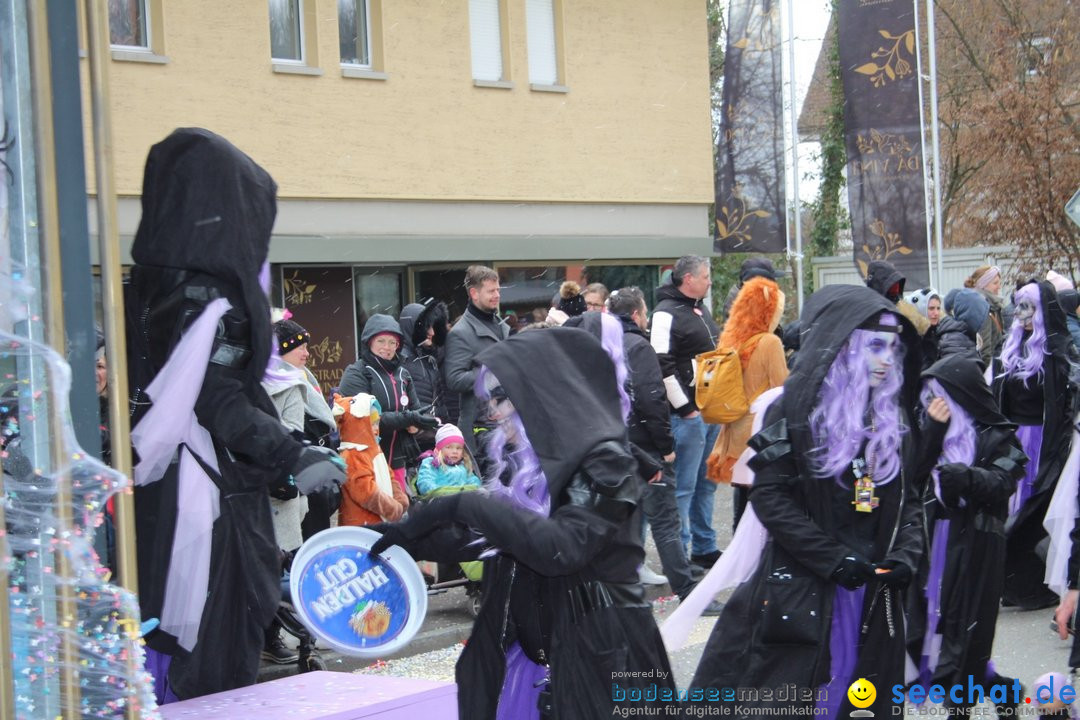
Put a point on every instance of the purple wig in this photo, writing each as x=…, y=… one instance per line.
x=838, y=423
x=1022, y=359
x=528, y=486
x=959, y=444
x=611, y=339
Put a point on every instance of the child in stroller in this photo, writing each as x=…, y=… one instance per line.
x=446, y=470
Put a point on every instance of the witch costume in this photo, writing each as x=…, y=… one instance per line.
x=824, y=605
x=1043, y=405
x=970, y=465
x=207, y=437
x=563, y=612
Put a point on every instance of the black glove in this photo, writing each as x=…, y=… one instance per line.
x=898, y=575
x=421, y=519
x=318, y=468
x=420, y=420
x=852, y=573
x=955, y=481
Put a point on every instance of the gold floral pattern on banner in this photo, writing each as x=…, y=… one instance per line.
x=734, y=221
x=892, y=63
x=887, y=245
x=326, y=352
x=297, y=290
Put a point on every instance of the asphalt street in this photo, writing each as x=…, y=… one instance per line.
x=1024, y=647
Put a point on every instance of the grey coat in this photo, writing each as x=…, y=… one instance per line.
x=466, y=340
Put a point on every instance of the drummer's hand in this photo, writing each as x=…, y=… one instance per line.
x=421, y=519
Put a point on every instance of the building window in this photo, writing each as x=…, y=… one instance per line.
x=354, y=21
x=1035, y=54
x=128, y=26
x=543, y=48
x=286, y=31
x=487, y=41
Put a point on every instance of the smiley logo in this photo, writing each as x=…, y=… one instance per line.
x=862, y=693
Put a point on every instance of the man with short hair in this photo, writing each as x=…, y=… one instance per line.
x=479, y=328
x=682, y=328
x=650, y=431
x=596, y=296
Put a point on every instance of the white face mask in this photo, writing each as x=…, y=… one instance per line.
x=1025, y=311
x=880, y=354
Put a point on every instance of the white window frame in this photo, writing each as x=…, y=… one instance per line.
x=300, y=35
x=503, y=81
x=370, y=64
x=147, y=31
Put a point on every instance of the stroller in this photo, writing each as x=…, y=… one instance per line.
x=308, y=658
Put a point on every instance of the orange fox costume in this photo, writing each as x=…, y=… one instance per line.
x=369, y=494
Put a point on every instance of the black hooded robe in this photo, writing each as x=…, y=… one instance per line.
x=974, y=572
x=1025, y=562
x=208, y=210
x=538, y=589
x=775, y=630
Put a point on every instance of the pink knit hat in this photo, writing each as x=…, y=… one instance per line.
x=447, y=434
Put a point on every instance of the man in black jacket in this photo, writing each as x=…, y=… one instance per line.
x=650, y=431
x=478, y=328
x=682, y=328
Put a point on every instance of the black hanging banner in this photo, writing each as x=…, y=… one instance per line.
x=884, y=142
x=750, y=211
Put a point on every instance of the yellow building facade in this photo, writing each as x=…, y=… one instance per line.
x=417, y=160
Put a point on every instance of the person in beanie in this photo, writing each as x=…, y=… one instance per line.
x=751, y=268
x=883, y=278
x=379, y=373
x=571, y=303
x=957, y=332
x=449, y=469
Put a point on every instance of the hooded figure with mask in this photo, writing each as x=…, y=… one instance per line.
x=1034, y=389
x=207, y=436
x=563, y=616
x=969, y=464
x=834, y=490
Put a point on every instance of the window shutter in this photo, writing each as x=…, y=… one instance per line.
x=540, y=20
x=485, y=39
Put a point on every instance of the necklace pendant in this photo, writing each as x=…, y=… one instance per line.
x=865, y=501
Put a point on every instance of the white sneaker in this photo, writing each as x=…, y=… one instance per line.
x=648, y=577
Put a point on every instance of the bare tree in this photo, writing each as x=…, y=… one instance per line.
x=1009, y=97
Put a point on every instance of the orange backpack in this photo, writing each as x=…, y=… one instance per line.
x=719, y=390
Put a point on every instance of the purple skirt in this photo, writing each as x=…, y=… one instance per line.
x=1030, y=437
x=843, y=647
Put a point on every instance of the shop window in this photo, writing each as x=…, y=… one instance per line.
x=376, y=290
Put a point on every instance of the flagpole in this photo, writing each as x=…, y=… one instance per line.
x=795, y=157
x=925, y=164
x=934, y=134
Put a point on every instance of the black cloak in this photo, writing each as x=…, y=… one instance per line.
x=540, y=588
x=208, y=210
x=1025, y=565
x=775, y=630
x=974, y=572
